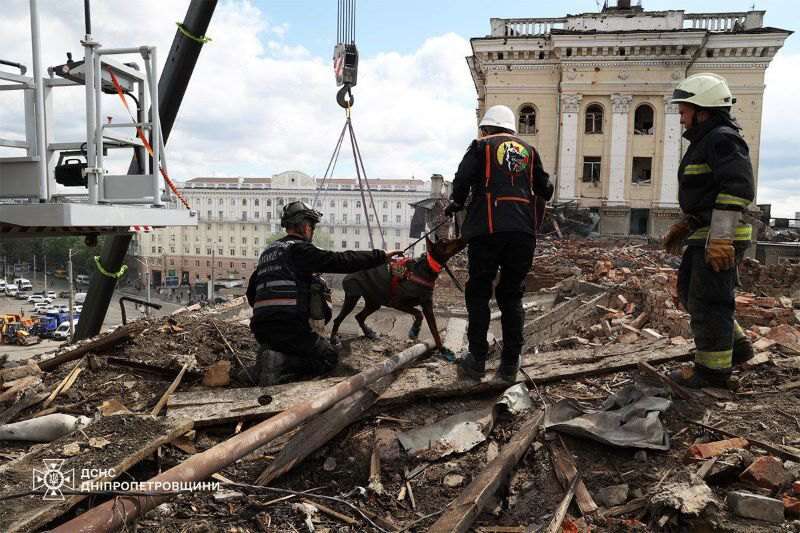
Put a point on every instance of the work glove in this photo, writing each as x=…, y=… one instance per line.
x=720, y=254
x=452, y=208
x=394, y=253
x=673, y=240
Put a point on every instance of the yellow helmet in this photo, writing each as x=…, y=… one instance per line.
x=704, y=90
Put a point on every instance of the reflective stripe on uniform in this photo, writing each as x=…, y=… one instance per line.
x=744, y=232
x=738, y=332
x=715, y=360
x=276, y=302
x=691, y=170
x=729, y=199
x=281, y=283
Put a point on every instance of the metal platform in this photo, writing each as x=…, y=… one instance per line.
x=62, y=219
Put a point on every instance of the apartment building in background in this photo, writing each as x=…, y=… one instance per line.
x=591, y=93
x=238, y=215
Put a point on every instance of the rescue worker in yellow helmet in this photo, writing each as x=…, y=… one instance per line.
x=715, y=185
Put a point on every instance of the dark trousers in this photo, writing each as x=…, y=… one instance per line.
x=512, y=254
x=306, y=351
x=710, y=299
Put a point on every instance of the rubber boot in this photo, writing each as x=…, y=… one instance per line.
x=699, y=377
x=272, y=368
x=742, y=351
x=250, y=374
x=470, y=370
x=506, y=374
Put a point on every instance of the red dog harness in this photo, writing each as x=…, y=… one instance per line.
x=400, y=271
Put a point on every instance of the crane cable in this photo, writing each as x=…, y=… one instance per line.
x=345, y=36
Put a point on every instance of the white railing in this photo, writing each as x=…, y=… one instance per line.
x=526, y=26
x=720, y=22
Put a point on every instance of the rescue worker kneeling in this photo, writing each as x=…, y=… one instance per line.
x=715, y=185
x=286, y=292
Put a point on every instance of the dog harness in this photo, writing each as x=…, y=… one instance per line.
x=400, y=270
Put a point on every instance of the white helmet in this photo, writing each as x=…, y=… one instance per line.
x=500, y=116
x=704, y=90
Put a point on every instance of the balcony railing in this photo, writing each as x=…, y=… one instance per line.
x=722, y=22
x=526, y=26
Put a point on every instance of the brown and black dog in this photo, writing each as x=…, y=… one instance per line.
x=402, y=285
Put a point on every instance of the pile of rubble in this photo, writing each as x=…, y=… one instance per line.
x=590, y=439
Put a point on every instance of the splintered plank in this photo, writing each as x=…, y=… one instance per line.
x=132, y=438
x=441, y=381
x=567, y=473
x=219, y=406
x=561, y=318
x=460, y=515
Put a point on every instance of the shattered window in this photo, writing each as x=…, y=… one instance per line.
x=527, y=120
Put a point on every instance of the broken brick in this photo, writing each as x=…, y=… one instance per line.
x=765, y=472
x=698, y=452
x=791, y=505
x=218, y=374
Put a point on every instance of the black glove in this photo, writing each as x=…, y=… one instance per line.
x=452, y=208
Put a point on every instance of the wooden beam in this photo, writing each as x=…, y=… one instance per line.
x=135, y=437
x=564, y=317
x=322, y=429
x=460, y=515
x=169, y=391
x=29, y=398
x=98, y=344
x=220, y=406
x=566, y=472
x=543, y=367
x=561, y=510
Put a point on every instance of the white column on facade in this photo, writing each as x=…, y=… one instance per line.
x=671, y=158
x=568, y=144
x=620, y=106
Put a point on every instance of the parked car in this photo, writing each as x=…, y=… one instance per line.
x=38, y=298
x=82, y=279
x=21, y=295
x=2, y=284
x=52, y=295
x=78, y=308
x=62, y=331
x=39, y=307
x=80, y=297
x=11, y=290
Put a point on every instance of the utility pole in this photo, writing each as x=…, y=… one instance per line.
x=71, y=295
x=34, y=269
x=45, y=274
x=147, y=266
x=211, y=283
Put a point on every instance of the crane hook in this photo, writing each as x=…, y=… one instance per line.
x=340, y=96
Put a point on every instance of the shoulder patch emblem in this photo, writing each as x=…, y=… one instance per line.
x=513, y=156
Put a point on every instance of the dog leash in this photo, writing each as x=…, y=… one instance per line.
x=426, y=235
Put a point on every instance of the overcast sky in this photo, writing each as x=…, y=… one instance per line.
x=262, y=99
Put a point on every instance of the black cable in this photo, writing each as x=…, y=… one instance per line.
x=359, y=160
x=331, y=163
x=360, y=185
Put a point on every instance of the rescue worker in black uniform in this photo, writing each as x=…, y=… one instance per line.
x=285, y=291
x=715, y=180
x=504, y=176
